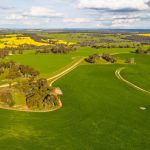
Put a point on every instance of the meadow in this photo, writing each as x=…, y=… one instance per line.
x=99, y=111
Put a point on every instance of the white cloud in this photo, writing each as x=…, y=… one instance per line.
x=115, y=4
x=77, y=20
x=43, y=11
x=14, y=17
x=123, y=22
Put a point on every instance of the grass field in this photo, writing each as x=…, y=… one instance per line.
x=48, y=64
x=101, y=113
x=138, y=74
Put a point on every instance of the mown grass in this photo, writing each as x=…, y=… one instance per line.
x=138, y=74
x=99, y=112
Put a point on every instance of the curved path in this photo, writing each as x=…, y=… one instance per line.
x=118, y=75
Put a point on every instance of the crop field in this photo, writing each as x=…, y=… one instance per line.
x=146, y=34
x=63, y=92
x=103, y=110
x=13, y=41
x=48, y=64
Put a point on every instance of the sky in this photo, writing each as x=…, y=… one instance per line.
x=54, y=14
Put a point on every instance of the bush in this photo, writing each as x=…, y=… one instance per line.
x=109, y=58
x=92, y=59
x=6, y=97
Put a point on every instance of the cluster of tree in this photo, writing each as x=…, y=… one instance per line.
x=140, y=50
x=92, y=58
x=36, y=37
x=3, y=53
x=39, y=94
x=39, y=38
x=15, y=70
x=6, y=97
x=105, y=43
x=58, y=48
x=86, y=43
x=109, y=58
x=20, y=49
x=95, y=57
x=98, y=46
x=138, y=38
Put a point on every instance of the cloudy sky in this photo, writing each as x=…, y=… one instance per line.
x=75, y=14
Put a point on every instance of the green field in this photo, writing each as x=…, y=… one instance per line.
x=138, y=74
x=100, y=112
x=48, y=64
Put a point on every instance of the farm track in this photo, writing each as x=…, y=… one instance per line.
x=57, y=76
x=64, y=72
x=118, y=75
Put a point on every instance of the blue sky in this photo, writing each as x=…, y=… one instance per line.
x=75, y=14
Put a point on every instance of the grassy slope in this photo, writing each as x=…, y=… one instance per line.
x=99, y=113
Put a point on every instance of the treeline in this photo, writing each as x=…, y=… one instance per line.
x=42, y=39
x=4, y=53
x=106, y=44
x=15, y=70
x=138, y=38
x=58, y=48
x=140, y=50
x=36, y=37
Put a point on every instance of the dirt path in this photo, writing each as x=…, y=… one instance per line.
x=118, y=75
x=55, y=77
x=67, y=70
x=7, y=85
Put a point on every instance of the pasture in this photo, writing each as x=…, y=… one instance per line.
x=48, y=64
x=99, y=111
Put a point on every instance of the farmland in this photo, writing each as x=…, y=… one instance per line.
x=95, y=110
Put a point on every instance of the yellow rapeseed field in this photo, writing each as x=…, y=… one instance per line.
x=13, y=41
x=64, y=42
x=146, y=34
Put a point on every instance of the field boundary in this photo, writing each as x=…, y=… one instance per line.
x=118, y=75
x=28, y=110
